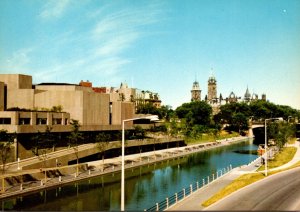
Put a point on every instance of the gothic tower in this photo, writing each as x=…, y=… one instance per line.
x=196, y=92
x=212, y=89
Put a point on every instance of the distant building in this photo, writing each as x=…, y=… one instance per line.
x=215, y=101
x=147, y=97
x=212, y=90
x=131, y=95
x=196, y=92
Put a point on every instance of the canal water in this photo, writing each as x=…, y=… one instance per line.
x=144, y=186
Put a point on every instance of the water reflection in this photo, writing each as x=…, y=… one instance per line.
x=145, y=185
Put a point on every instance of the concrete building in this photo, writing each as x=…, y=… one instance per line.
x=95, y=111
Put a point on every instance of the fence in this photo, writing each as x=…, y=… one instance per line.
x=185, y=192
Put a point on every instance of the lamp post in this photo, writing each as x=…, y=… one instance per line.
x=152, y=118
x=266, y=153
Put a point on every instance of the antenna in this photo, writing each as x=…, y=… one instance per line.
x=131, y=82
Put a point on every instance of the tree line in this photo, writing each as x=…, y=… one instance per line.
x=193, y=119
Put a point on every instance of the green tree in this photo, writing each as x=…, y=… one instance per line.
x=42, y=143
x=195, y=113
x=239, y=122
x=285, y=132
x=57, y=108
x=75, y=138
x=6, y=143
x=102, y=143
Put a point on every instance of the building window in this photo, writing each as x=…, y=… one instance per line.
x=24, y=121
x=41, y=121
x=66, y=121
x=57, y=121
x=5, y=120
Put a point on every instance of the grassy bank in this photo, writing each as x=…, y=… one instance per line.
x=238, y=183
x=209, y=137
x=281, y=158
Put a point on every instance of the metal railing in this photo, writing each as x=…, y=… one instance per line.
x=187, y=191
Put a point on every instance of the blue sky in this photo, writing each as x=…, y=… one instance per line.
x=160, y=45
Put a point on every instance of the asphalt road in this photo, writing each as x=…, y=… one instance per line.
x=277, y=192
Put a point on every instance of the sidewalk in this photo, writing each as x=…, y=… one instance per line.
x=194, y=201
x=293, y=161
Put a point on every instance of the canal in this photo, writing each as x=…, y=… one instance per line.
x=144, y=186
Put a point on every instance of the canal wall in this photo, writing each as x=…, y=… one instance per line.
x=39, y=179
x=91, y=152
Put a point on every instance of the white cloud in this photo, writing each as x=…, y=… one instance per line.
x=19, y=61
x=54, y=9
x=97, y=52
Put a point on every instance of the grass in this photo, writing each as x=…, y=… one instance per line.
x=281, y=158
x=292, y=141
x=238, y=183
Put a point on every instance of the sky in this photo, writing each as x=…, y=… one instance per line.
x=162, y=46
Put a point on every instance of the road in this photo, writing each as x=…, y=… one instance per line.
x=277, y=192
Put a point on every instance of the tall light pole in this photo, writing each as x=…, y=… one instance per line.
x=152, y=118
x=266, y=153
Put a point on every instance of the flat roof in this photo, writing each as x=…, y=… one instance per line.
x=55, y=83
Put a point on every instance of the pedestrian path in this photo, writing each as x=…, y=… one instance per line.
x=295, y=159
x=101, y=167
x=194, y=201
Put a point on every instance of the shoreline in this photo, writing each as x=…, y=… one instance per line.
x=95, y=168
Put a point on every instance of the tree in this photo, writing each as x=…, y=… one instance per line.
x=139, y=132
x=37, y=143
x=42, y=143
x=102, y=144
x=47, y=141
x=57, y=108
x=6, y=143
x=239, y=122
x=195, y=113
x=285, y=132
x=74, y=139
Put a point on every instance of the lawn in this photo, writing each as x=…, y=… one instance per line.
x=280, y=159
x=209, y=137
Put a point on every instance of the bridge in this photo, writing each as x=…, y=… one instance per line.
x=254, y=125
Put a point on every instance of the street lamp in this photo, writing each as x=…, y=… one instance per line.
x=266, y=154
x=151, y=118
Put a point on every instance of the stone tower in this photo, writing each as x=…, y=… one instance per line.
x=247, y=96
x=212, y=89
x=196, y=92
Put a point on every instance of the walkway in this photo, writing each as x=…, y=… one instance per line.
x=97, y=168
x=295, y=159
x=194, y=201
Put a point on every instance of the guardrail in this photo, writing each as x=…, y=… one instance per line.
x=187, y=191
